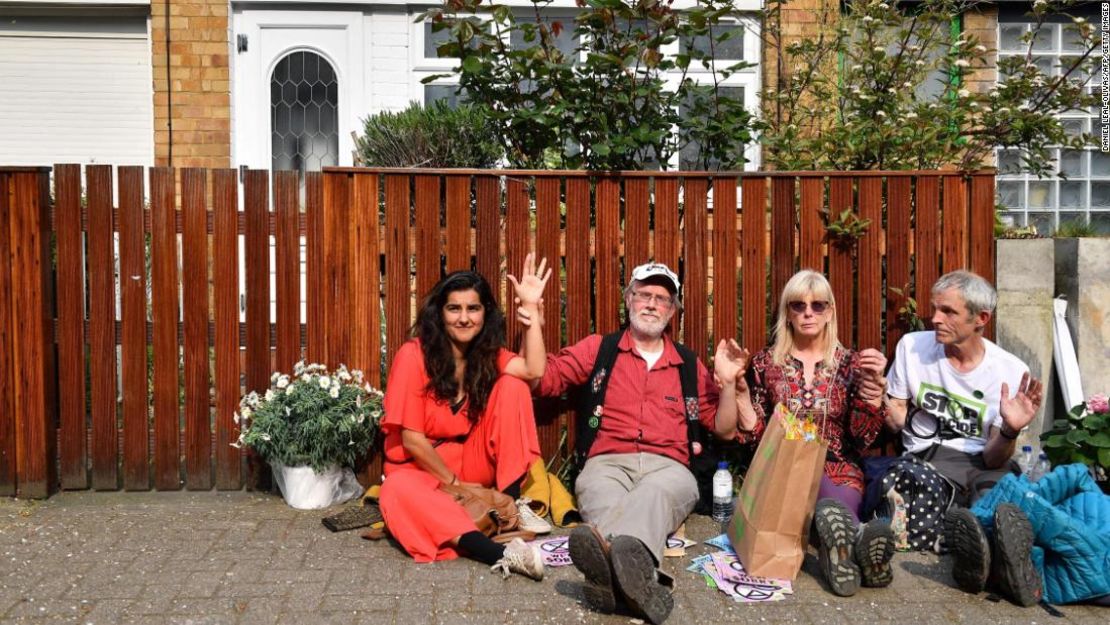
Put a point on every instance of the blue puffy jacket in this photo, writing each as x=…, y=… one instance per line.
x=1071, y=529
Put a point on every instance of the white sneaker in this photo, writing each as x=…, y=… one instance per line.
x=529, y=520
x=522, y=558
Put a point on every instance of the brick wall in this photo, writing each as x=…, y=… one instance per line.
x=982, y=23
x=196, y=99
x=798, y=19
x=388, y=34
x=805, y=18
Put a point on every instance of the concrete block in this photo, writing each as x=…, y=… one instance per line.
x=1023, y=319
x=1083, y=277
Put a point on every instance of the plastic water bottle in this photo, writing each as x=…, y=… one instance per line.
x=1043, y=468
x=722, y=493
x=1027, y=461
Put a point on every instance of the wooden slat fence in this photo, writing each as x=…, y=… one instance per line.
x=136, y=282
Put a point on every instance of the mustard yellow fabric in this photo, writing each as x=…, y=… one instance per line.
x=548, y=495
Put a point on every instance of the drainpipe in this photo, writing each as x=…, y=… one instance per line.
x=169, y=89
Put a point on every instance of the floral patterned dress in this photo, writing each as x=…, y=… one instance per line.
x=851, y=424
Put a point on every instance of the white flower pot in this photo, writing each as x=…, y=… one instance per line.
x=305, y=489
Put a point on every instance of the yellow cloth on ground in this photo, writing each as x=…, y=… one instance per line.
x=548, y=495
x=371, y=496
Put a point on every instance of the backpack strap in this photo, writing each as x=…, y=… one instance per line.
x=688, y=377
x=701, y=445
x=592, y=397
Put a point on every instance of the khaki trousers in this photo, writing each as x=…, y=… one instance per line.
x=646, y=496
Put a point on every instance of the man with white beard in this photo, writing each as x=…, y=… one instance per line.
x=644, y=403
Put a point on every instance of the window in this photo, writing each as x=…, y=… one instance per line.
x=445, y=92
x=688, y=157
x=742, y=44
x=427, y=62
x=433, y=40
x=304, y=113
x=1082, y=192
x=731, y=48
x=564, y=41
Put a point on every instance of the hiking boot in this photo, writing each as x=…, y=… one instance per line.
x=520, y=558
x=529, y=520
x=836, y=536
x=874, y=549
x=1011, y=562
x=634, y=568
x=971, y=554
x=589, y=553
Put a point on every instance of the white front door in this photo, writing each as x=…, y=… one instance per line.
x=297, y=87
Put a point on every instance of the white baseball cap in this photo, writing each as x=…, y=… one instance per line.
x=657, y=270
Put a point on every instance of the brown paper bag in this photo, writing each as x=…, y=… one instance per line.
x=770, y=525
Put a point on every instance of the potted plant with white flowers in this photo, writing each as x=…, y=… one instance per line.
x=312, y=427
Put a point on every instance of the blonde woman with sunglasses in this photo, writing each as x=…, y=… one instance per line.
x=807, y=370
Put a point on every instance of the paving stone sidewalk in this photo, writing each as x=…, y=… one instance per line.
x=247, y=558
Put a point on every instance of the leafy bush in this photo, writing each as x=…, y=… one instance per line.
x=314, y=417
x=432, y=136
x=1084, y=436
x=597, y=90
x=846, y=228
x=1073, y=229
x=857, y=93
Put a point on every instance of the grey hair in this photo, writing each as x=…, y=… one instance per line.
x=978, y=294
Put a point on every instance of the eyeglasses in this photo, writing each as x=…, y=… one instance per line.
x=644, y=297
x=818, y=308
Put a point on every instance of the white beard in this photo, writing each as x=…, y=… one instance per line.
x=649, y=328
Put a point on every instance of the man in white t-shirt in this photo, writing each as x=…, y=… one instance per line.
x=960, y=402
x=952, y=392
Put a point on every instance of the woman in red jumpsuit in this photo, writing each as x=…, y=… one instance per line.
x=458, y=410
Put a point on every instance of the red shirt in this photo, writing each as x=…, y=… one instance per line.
x=643, y=410
x=408, y=404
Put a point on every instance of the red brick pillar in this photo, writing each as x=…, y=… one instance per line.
x=192, y=83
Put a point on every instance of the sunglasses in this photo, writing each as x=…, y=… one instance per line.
x=818, y=308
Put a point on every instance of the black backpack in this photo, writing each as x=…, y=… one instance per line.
x=592, y=397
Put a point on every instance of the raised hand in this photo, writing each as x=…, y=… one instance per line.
x=729, y=362
x=529, y=289
x=1019, y=410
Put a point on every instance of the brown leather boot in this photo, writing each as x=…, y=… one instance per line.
x=589, y=552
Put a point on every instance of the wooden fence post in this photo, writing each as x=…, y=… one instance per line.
x=27, y=376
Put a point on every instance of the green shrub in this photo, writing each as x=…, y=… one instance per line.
x=599, y=90
x=315, y=418
x=433, y=136
x=1082, y=436
x=1073, y=229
